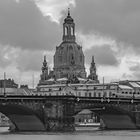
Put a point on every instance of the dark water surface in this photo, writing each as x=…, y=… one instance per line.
x=81, y=135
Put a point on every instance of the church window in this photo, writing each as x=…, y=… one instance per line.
x=66, y=30
x=71, y=48
x=72, y=56
x=71, y=30
x=72, y=59
x=60, y=58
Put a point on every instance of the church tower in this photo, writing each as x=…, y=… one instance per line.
x=44, y=75
x=68, y=29
x=93, y=75
x=69, y=58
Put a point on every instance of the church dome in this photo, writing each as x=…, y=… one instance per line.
x=69, y=54
x=69, y=57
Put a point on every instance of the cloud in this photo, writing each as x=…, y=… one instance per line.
x=103, y=56
x=17, y=1
x=22, y=64
x=8, y=55
x=54, y=8
x=117, y=19
x=135, y=67
x=103, y=48
x=32, y=60
x=94, y=39
x=23, y=25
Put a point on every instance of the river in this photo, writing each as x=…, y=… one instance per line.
x=81, y=135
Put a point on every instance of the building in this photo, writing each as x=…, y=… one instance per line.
x=128, y=88
x=69, y=76
x=9, y=83
x=69, y=61
x=9, y=87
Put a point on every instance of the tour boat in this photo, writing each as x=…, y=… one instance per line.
x=87, y=126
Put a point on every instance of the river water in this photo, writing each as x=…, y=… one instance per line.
x=81, y=135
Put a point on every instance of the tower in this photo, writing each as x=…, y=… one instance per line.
x=44, y=75
x=93, y=75
x=68, y=29
x=69, y=58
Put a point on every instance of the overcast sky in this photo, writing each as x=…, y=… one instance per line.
x=107, y=29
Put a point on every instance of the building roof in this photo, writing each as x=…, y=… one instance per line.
x=62, y=79
x=16, y=91
x=134, y=84
x=82, y=79
x=124, y=87
x=50, y=80
x=85, y=111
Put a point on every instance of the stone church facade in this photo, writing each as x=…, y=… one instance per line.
x=69, y=60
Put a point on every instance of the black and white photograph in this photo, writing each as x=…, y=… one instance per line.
x=69, y=69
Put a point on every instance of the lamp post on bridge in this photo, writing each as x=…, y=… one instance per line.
x=43, y=115
x=133, y=96
x=4, y=85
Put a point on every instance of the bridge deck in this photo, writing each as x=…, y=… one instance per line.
x=69, y=98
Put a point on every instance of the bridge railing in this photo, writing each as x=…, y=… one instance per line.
x=72, y=98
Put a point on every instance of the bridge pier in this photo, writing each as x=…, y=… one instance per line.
x=58, y=115
x=68, y=116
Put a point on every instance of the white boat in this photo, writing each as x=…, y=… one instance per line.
x=87, y=126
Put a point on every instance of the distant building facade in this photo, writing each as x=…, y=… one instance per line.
x=9, y=83
x=9, y=87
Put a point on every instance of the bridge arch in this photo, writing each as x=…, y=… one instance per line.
x=23, y=118
x=112, y=117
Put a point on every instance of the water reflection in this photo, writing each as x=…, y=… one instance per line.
x=77, y=135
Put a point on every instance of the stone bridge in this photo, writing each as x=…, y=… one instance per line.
x=56, y=113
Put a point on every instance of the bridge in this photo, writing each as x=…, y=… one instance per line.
x=56, y=113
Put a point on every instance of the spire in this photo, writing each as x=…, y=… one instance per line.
x=68, y=28
x=93, y=74
x=44, y=58
x=44, y=74
x=92, y=66
x=92, y=62
x=44, y=62
x=92, y=58
x=68, y=11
